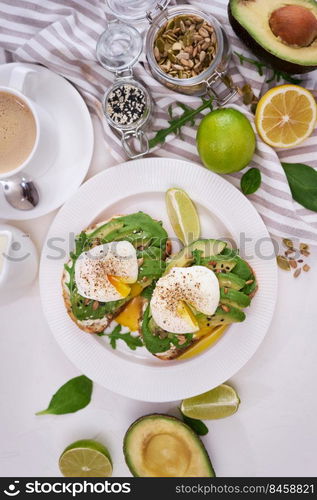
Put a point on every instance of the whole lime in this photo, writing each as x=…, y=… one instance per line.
x=225, y=141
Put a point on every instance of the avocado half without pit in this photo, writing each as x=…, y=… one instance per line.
x=284, y=34
x=163, y=446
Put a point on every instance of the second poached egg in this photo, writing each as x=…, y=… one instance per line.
x=195, y=286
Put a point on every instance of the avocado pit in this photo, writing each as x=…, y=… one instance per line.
x=294, y=25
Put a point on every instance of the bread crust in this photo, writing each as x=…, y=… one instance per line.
x=89, y=326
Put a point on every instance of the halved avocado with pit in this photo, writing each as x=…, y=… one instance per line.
x=282, y=33
x=163, y=446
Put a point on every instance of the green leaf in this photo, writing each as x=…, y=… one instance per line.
x=131, y=341
x=302, y=181
x=71, y=397
x=154, y=343
x=148, y=291
x=188, y=116
x=251, y=181
x=196, y=425
x=198, y=258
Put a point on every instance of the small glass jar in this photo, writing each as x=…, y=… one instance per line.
x=118, y=50
x=214, y=80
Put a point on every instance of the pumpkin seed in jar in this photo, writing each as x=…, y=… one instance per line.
x=189, y=42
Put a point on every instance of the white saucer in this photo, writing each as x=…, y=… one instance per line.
x=75, y=142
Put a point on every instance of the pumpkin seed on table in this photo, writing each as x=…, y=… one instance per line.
x=283, y=263
x=288, y=243
x=185, y=46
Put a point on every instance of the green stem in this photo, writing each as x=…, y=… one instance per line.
x=276, y=75
x=177, y=123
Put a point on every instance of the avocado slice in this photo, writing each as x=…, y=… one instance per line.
x=185, y=257
x=230, y=280
x=103, y=231
x=221, y=317
x=251, y=286
x=242, y=269
x=220, y=263
x=252, y=22
x=234, y=298
x=163, y=446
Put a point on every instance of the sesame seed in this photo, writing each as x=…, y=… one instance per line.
x=126, y=104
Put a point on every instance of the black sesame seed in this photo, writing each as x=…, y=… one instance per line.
x=126, y=104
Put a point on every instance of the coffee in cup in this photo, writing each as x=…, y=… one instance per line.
x=17, y=131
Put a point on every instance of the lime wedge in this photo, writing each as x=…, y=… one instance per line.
x=183, y=215
x=220, y=402
x=85, y=458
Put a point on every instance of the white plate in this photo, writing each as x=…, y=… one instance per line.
x=75, y=142
x=224, y=212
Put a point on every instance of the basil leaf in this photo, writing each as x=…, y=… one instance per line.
x=251, y=181
x=131, y=341
x=302, y=181
x=196, y=425
x=71, y=397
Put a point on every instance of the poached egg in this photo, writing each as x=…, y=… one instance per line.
x=105, y=272
x=194, y=286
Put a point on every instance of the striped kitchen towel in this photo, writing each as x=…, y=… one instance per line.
x=62, y=35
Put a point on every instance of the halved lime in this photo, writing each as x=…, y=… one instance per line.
x=85, y=458
x=183, y=215
x=220, y=402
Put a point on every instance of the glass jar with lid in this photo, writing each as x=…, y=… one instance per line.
x=212, y=78
x=127, y=104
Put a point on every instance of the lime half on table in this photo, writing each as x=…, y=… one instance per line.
x=220, y=402
x=85, y=458
x=183, y=215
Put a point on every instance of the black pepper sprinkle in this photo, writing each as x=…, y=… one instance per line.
x=126, y=104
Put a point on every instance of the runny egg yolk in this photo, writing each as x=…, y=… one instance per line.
x=131, y=314
x=119, y=285
x=184, y=311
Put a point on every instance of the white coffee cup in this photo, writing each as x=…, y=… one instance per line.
x=18, y=262
x=22, y=83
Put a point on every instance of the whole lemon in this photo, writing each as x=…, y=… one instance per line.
x=225, y=141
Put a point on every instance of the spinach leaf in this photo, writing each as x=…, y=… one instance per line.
x=131, y=341
x=70, y=397
x=198, y=259
x=251, y=181
x=154, y=343
x=196, y=425
x=148, y=291
x=302, y=181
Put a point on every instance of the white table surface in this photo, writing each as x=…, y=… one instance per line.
x=274, y=433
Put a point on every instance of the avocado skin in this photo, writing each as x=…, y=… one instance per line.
x=177, y=421
x=261, y=53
